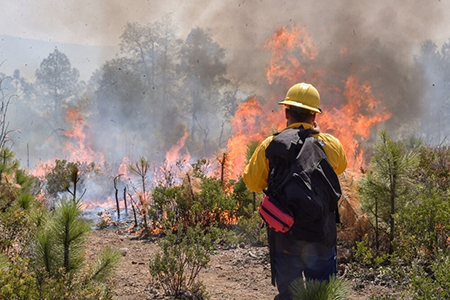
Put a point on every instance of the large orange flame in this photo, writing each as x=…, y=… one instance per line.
x=283, y=67
x=353, y=121
x=252, y=121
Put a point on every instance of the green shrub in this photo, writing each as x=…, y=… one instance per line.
x=363, y=254
x=424, y=224
x=335, y=289
x=434, y=167
x=42, y=252
x=16, y=280
x=246, y=201
x=183, y=256
x=431, y=281
x=198, y=200
x=252, y=230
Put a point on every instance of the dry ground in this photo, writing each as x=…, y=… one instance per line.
x=235, y=274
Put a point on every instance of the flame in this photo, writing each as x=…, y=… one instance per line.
x=42, y=169
x=174, y=152
x=294, y=58
x=251, y=122
x=352, y=122
x=283, y=66
x=124, y=167
x=78, y=146
x=160, y=175
x=105, y=204
x=226, y=217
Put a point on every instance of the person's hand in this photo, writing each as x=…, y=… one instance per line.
x=316, y=126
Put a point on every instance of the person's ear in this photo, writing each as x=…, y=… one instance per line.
x=286, y=113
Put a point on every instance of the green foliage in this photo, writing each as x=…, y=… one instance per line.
x=335, y=289
x=418, y=181
x=367, y=256
x=213, y=204
x=16, y=205
x=246, y=201
x=141, y=169
x=431, y=281
x=7, y=161
x=61, y=240
x=42, y=252
x=363, y=253
x=197, y=200
x=169, y=206
x=20, y=281
x=252, y=230
x=183, y=256
x=56, y=82
x=434, y=167
x=62, y=177
x=16, y=281
x=105, y=265
x=424, y=224
x=56, y=268
x=225, y=237
x=387, y=183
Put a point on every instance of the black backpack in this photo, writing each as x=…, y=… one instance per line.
x=302, y=180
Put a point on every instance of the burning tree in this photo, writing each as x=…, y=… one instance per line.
x=141, y=169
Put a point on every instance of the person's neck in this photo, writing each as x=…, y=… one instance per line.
x=290, y=122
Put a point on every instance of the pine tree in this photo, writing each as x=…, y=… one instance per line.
x=61, y=242
x=387, y=182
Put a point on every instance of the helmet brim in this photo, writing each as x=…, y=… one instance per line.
x=300, y=105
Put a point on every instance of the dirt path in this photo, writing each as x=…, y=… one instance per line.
x=235, y=274
x=232, y=274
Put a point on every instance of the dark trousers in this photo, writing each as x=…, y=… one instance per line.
x=289, y=267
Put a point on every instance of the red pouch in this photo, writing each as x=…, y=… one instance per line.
x=276, y=215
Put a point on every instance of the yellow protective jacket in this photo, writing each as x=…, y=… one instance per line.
x=256, y=172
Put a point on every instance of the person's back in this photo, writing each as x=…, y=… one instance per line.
x=291, y=255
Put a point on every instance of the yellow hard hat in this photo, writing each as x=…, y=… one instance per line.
x=303, y=95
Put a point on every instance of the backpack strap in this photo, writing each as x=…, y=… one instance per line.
x=281, y=153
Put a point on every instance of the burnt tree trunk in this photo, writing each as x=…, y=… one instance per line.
x=133, y=206
x=125, y=200
x=117, y=196
x=222, y=169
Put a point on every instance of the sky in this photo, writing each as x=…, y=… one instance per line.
x=88, y=31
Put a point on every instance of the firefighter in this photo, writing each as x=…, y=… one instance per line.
x=293, y=257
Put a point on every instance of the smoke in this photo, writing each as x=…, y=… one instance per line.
x=127, y=114
x=381, y=39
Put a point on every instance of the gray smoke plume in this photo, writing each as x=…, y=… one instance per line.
x=185, y=65
x=382, y=38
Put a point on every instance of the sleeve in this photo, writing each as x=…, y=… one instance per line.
x=335, y=153
x=257, y=171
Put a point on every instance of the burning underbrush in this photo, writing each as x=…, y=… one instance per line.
x=155, y=195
